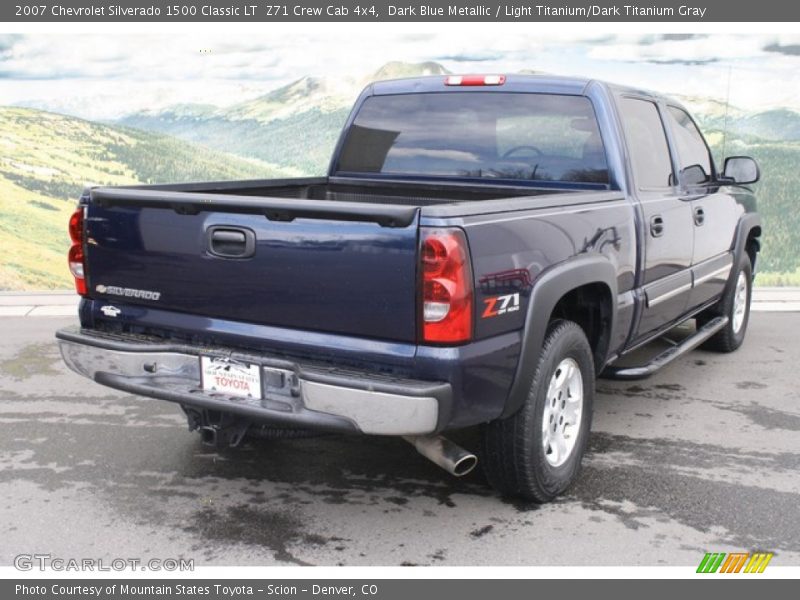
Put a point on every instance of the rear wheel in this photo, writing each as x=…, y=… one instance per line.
x=735, y=304
x=536, y=453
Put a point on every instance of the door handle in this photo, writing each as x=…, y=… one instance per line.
x=231, y=242
x=657, y=226
x=699, y=216
x=224, y=236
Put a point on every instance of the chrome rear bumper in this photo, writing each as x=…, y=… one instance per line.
x=293, y=394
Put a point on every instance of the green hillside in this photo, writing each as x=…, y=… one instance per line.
x=303, y=141
x=46, y=160
x=781, y=124
x=777, y=193
x=296, y=125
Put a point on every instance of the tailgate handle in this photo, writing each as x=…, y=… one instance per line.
x=231, y=242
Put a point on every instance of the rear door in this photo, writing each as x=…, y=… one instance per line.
x=667, y=217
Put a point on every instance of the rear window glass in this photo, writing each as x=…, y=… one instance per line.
x=644, y=131
x=534, y=137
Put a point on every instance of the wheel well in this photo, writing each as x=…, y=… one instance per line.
x=590, y=307
x=753, y=245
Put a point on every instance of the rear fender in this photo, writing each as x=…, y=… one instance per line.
x=549, y=288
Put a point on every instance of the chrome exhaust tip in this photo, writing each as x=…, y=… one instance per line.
x=439, y=450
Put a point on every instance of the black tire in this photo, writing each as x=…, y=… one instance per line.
x=513, y=457
x=729, y=338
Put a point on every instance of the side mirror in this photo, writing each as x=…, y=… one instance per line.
x=694, y=175
x=741, y=169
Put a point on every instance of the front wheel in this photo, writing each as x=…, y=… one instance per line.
x=735, y=304
x=536, y=453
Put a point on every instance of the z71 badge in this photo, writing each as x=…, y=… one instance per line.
x=500, y=305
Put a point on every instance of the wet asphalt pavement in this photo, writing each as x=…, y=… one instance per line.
x=704, y=456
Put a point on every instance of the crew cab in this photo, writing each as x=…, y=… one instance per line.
x=481, y=249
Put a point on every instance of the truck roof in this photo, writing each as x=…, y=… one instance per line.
x=514, y=82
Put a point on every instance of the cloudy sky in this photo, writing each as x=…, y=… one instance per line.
x=105, y=77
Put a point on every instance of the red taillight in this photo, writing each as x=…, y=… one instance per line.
x=76, y=226
x=473, y=80
x=75, y=256
x=446, y=287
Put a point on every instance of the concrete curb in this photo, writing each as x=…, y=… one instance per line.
x=38, y=304
x=65, y=303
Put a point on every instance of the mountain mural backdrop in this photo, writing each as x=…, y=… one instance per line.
x=47, y=158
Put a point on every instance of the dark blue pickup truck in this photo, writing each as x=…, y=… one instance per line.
x=482, y=248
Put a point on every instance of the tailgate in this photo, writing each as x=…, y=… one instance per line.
x=338, y=269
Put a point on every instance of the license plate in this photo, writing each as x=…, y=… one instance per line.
x=223, y=375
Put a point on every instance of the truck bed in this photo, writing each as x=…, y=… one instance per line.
x=389, y=203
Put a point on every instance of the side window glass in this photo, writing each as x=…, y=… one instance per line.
x=647, y=143
x=695, y=162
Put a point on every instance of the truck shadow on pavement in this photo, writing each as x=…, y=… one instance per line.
x=270, y=494
x=298, y=501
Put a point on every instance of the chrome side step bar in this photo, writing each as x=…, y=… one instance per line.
x=670, y=354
